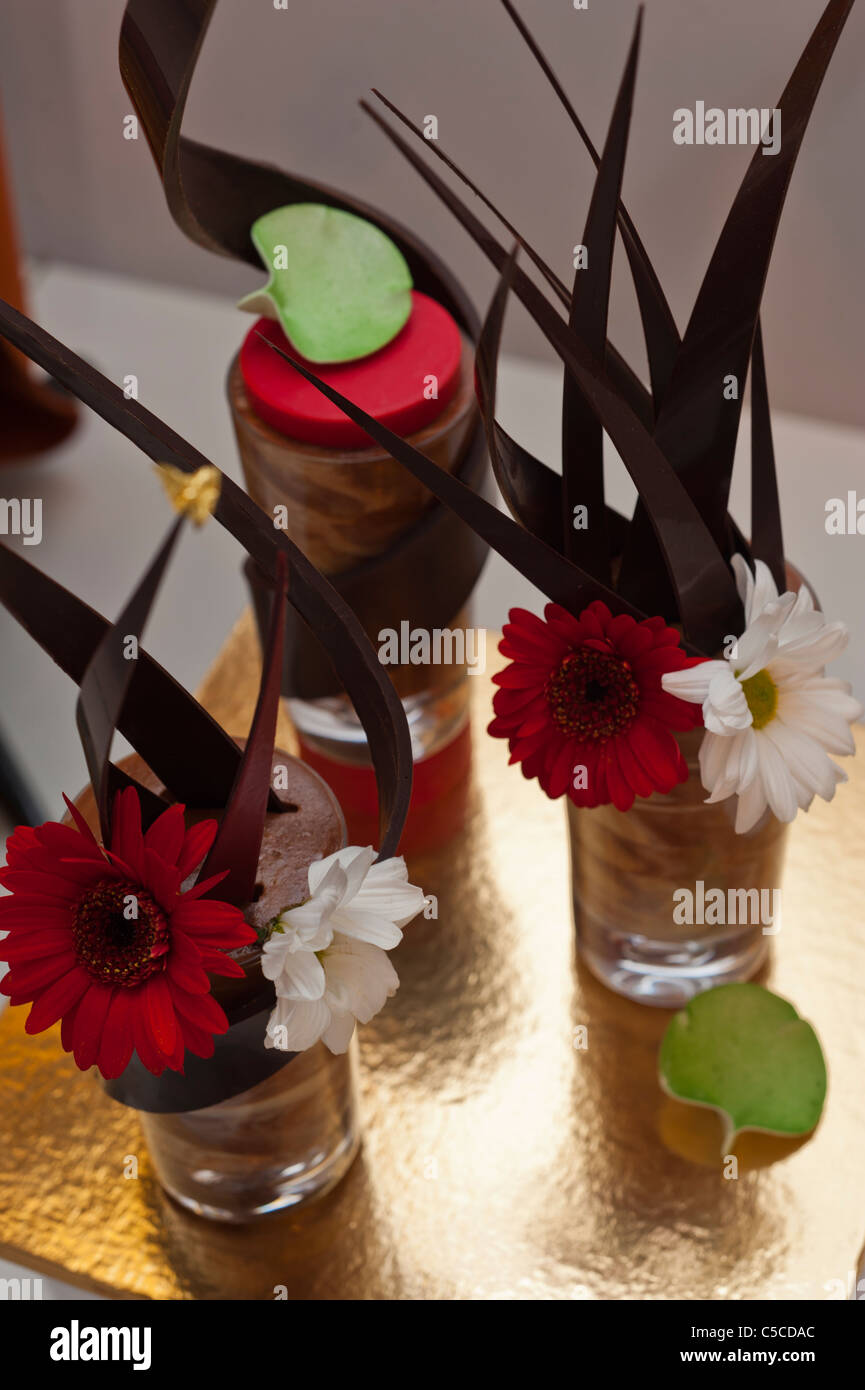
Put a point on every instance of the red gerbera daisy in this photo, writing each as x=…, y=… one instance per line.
x=107, y=942
x=582, y=707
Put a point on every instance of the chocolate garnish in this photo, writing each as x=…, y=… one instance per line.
x=237, y=846
x=697, y=427
x=215, y=197
x=327, y=615
x=767, y=537
x=582, y=432
x=560, y=579
x=108, y=676
x=706, y=595
x=618, y=369
x=556, y=284
x=659, y=326
x=532, y=491
x=187, y=750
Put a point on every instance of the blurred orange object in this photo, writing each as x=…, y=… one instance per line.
x=34, y=414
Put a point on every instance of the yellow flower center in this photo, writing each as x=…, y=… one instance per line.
x=761, y=692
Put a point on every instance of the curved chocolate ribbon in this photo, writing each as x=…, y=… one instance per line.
x=184, y=747
x=697, y=427
x=317, y=602
x=767, y=538
x=696, y=430
x=659, y=326
x=706, y=596
x=237, y=1063
x=214, y=197
x=582, y=431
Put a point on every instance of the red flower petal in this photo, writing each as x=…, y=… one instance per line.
x=198, y=1040
x=56, y=999
x=158, y=1014
x=204, y=886
x=67, y=1026
x=51, y=887
x=25, y=945
x=184, y=965
x=166, y=835
x=30, y=976
x=90, y=1017
x=118, y=1037
x=620, y=789
x=81, y=824
x=657, y=751
x=196, y=846
x=30, y=914
x=127, y=841
x=163, y=880
x=147, y=1050
x=218, y=963
x=200, y=1009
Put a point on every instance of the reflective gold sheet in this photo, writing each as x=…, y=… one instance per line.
x=499, y=1161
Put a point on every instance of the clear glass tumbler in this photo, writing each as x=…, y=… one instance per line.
x=632, y=872
x=288, y=1139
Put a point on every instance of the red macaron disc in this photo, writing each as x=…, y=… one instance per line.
x=405, y=385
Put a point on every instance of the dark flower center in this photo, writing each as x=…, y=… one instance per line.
x=592, y=694
x=121, y=935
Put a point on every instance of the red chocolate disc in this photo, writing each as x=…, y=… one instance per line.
x=393, y=384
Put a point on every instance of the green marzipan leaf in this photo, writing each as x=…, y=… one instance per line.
x=340, y=288
x=746, y=1052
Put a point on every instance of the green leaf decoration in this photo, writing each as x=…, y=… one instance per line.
x=746, y=1052
x=340, y=288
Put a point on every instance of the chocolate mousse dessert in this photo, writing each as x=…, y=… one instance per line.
x=163, y=923
x=371, y=307
x=302, y=1114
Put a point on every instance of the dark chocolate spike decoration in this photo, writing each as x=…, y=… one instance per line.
x=706, y=595
x=176, y=737
x=108, y=676
x=237, y=846
x=659, y=326
x=621, y=375
x=582, y=433
x=532, y=492
x=213, y=196
x=561, y=580
x=767, y=537
x=557, y=285
x=353, y=658
x=697, y=426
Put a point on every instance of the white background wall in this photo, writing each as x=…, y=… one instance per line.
x=283, y=86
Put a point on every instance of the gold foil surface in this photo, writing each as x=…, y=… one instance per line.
x=499, y=1161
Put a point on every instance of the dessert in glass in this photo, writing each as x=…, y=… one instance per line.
x=294, y=1134
x=346, y=502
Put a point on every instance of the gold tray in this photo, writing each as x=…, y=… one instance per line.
x=498, y=1162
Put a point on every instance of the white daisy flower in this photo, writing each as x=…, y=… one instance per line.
x=771, y=716
x=327, y=957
